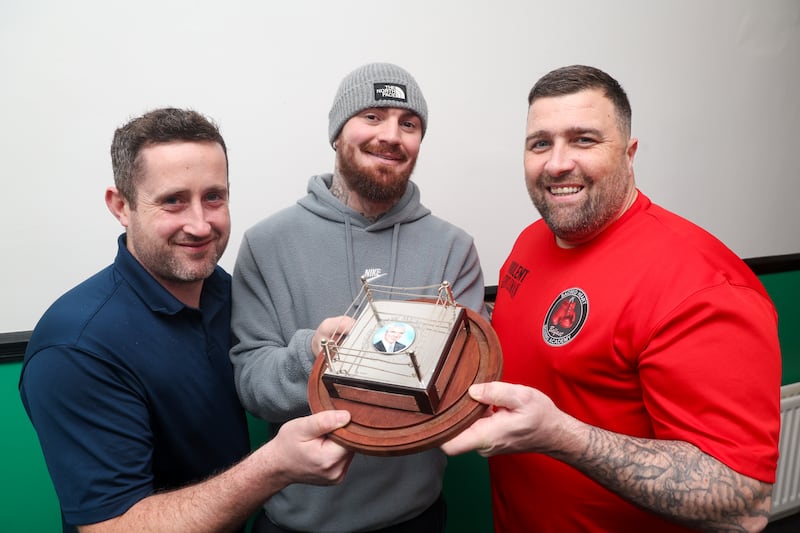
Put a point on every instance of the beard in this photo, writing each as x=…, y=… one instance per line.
x=168, y=263
x=375, y=183
x=169, y=266
x=574, y=223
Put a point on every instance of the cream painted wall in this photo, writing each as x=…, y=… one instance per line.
x=714, y=86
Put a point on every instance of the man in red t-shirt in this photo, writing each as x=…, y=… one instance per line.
x=641, y=356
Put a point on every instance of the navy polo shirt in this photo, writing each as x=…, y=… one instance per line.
x=131, y=391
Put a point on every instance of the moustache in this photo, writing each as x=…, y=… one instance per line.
x=393, y=152
x=547, y=179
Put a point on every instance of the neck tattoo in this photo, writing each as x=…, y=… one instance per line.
x=338, y=190
x=342, y=193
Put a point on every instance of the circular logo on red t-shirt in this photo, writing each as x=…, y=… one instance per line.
x=566, y=317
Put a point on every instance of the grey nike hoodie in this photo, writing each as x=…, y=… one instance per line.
x=302, y=265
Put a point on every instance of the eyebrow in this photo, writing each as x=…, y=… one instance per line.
x=167, y=193
x=178, y=191
x=406, y=113
x=571, y=132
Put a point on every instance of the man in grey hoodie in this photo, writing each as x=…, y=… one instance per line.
x=301, y=267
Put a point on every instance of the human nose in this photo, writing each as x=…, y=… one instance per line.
x=389, y=131
x=197, y=223
x=560, y=160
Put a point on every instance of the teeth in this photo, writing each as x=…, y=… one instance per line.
x=564, y=190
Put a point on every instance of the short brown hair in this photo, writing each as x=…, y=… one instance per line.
x=576, y=78
x=157, y=126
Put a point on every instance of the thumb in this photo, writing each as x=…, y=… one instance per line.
x=496, y=393
x=324, y=422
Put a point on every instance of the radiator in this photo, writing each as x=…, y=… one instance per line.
x=786, y=491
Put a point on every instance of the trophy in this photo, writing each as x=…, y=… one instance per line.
x=403, y=369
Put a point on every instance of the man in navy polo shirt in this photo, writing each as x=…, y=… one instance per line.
x=127, y=378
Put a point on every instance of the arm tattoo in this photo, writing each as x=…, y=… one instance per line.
x=674, y=479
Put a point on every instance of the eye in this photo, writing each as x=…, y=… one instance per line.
x=216, y=197
x=538, y=145
x=172, y=203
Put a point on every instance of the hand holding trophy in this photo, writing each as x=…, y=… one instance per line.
x=403, y=369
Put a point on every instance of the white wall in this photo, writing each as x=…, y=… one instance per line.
x=714, y=86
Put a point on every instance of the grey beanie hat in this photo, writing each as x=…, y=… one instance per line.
x=375, y=85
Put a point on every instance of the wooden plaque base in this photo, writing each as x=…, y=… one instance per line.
x=379, y=430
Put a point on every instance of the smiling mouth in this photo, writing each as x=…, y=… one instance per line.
x=389, y=157
x=388, y=154
x=565, y=190
x=195, y=245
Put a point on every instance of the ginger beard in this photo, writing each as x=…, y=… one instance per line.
x=375, y=182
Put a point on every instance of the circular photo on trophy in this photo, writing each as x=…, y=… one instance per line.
x=393, y=337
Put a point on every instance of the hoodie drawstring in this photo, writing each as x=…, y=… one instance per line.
x=348, y=242
x=394, y=254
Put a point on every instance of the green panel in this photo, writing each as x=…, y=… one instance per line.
x=259, y=431
x=28, y=501
x=784, y=289
x=467, y=493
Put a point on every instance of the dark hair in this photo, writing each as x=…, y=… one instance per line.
x=157, y=126
x=577, y=78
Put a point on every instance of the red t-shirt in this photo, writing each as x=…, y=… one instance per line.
x=654, y=329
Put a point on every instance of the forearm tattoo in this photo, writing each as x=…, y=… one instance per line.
x=674, y=479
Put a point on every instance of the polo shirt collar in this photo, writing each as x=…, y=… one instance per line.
x=153, y=294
